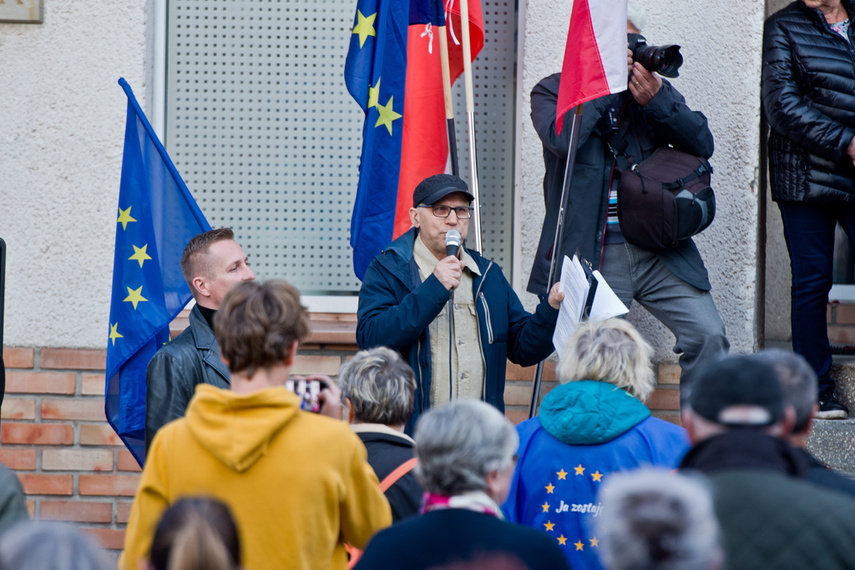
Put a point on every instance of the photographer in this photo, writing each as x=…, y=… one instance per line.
x=297, y=483
x=671, y=284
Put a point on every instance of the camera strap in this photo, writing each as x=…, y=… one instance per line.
x=610, y=124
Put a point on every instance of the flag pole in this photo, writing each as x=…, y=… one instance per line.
x=449, y=106
x=559, y=237
x=470, y=119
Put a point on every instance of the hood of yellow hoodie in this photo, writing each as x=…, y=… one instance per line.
x=237, y=428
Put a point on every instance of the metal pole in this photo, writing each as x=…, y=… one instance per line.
x=559, y=237
x=470, y=121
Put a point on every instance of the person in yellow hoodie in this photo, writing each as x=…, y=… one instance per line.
x=298, y=483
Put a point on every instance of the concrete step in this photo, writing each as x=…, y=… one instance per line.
x=833, y=441
x=843, y=372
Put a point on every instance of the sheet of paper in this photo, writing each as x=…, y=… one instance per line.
x=574, y=285
x=606, y=304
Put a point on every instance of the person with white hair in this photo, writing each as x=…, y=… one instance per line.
x=466, y=451
x=656, y=520
x=377, y=390
x=50, y=546
x=671, y=284
x=594, y=424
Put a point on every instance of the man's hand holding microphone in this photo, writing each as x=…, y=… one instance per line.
x=450, y=269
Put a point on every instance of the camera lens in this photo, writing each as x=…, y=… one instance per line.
x=665, y=60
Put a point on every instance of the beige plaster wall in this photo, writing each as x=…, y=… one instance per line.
x=62, y=121
x=720, y=77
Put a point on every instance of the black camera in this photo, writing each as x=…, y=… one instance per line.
x=664, y=60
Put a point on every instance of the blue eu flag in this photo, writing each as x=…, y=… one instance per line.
x=157, y=217
x=375, y=74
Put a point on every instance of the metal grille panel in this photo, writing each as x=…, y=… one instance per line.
x=262, y=129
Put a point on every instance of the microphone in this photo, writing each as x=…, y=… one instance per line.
x=452, y=242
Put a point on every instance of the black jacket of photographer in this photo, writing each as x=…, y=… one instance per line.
x=809, y=100
x=665, y=120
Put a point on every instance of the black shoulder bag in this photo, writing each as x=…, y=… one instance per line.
x=665, y=198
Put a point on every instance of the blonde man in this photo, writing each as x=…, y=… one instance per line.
x=211, y=263
x=594, y=424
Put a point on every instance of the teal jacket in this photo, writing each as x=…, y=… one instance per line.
x=586, y=431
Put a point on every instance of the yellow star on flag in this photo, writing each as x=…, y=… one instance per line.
x=562, y=540
x=374, y=94
x=364, y=27
x=125, y=217
x=579, y=545
x=562, y=474
x=114, y=334
x=549, y=488
x=579, y=469
x=595, y=543
x=140, y=254
x=549, y=525
x=386, y=115
x=545, y=507
x=596, y=476
x=135, y=296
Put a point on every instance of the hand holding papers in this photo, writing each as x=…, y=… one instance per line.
x=586, y=295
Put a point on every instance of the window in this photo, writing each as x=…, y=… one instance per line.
x=262, y=129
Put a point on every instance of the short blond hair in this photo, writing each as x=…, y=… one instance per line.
x=194, y=259
x=610, y=351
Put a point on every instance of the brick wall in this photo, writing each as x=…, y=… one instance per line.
x=74, y=468
x=841, y=323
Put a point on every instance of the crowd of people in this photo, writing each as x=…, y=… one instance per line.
x=407, y=460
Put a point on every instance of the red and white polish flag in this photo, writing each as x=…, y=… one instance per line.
x=595, y=55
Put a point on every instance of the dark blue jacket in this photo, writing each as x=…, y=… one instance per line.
x=460, y=538
x=396, y=309
x=665, y=121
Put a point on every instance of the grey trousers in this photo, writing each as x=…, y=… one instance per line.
x=688, y=312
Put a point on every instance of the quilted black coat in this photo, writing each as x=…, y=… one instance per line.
x=808, y=91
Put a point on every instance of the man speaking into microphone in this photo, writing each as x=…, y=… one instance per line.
x=409, y=289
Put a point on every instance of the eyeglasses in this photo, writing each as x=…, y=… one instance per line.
x=462, y=212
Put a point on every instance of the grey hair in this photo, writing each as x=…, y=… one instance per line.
x=381, y=387
x=459, y=443
x=636, y=14
x=609, y=351
x=656, y=520
x=50, y=546
x=798, y=382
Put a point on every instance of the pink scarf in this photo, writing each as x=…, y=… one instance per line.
x=477, y=501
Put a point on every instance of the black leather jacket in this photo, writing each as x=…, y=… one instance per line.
x=175, y=370
x=809, y=100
